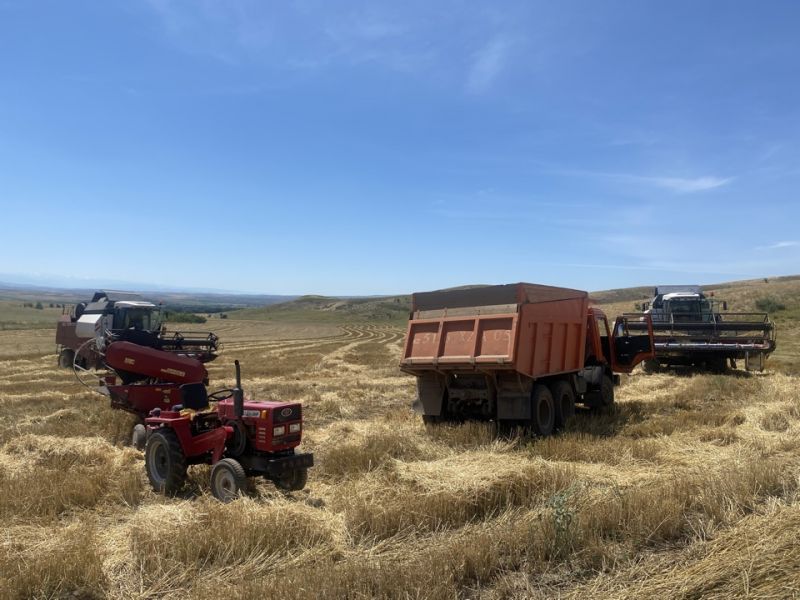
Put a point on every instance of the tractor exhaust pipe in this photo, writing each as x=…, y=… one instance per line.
x=238, y=393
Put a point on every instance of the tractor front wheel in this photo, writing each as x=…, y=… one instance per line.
x=139, y=436
x=164, y=462
x=292, y=480
x=228, y=479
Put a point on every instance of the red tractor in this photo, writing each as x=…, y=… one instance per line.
x=239, y=438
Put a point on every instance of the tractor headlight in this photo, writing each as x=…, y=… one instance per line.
x=294, y=427
x=278, y=431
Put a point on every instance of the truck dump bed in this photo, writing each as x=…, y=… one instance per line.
x=536, y=330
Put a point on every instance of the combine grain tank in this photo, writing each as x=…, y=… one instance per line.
x=521, y=354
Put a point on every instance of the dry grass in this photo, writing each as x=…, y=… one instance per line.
x=688, y=488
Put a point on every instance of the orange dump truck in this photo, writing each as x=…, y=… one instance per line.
x=520, y=354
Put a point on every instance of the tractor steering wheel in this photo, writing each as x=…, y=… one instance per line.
x=220, y=395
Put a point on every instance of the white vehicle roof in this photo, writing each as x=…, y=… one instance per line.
x=672, y=296
x=133, y=304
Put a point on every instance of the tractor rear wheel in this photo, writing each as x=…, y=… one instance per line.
x=139, y=436
x=542, y=411
x=164, y=462
x=66, y=358
x=228, y=479
x=564, y=400
x=292, y=480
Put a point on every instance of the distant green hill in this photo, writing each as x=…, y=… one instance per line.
x=387, y=309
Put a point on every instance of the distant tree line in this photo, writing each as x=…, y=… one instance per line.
x=176, y=316
x=40, y=306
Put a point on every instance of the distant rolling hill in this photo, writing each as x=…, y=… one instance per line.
x=390, y=309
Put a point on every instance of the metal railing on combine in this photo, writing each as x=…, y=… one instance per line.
x=720, y=328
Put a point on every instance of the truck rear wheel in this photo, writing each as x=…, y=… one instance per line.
x=542, y=411
x=65, y=358
x=164, y=462
x=564, y=402
x=228, y=479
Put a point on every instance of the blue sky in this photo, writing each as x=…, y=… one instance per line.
x=382, y=147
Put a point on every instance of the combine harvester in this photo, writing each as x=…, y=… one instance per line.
x=121, y=314
x=690, y=330
x=518, y=354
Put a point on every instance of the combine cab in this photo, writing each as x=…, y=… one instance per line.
x=694, y=330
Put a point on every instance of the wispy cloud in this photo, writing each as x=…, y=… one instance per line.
x=487, y=63
x=687, y=185
x=779, y=245
x=681, y=185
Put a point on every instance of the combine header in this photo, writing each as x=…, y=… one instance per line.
x=519, y=354
x=690, y=330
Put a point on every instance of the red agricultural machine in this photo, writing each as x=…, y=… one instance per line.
x=162, y=380
x=185, y=425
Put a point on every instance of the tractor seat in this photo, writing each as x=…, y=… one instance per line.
x=194, y=396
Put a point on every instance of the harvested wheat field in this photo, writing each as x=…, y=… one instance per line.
x=687, y=489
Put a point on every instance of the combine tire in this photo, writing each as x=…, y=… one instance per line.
x=717, y=365
x=651, y=366
x=292, y=481
x=66, y=358
x=164, y=462
x=542, y=411
x=139, y=436
x=564, y=401
x=228, y=480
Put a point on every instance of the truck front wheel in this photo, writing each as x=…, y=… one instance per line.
x=603, y=397
x=542, y=411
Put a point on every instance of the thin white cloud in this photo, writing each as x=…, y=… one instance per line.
x=779, y=245
x=681, y=185
x=487, y=63
x=688, y=185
